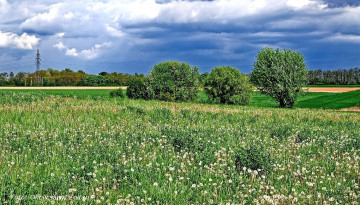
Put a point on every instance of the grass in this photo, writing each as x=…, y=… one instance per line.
x=66, y=92
x=109, y=150
x=312, y=100
x=330, y=100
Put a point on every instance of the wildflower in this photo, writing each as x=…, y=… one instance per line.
x=72, y=190
x=156, y=184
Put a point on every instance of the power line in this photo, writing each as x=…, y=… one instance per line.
x=38, y=67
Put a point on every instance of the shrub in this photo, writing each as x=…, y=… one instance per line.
x=117, y=93
x=253, y=157
x=173, y=81
x=93, y=80
x=137, y=89
x=228, y=85
x=280, y=75
x=136, y=110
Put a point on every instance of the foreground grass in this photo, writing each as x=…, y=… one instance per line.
x=66, y=92
x=126, y=151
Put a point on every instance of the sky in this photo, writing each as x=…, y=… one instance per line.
x=130, y=36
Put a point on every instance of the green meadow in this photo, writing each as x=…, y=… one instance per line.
x=312, y=100
x=86, y=148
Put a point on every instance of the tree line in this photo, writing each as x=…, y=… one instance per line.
x=66, y=77
x=336, y=77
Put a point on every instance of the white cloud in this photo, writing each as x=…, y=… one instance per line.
x=60, y=46
x=345, y=38
x=12, y=40
x=76, y=27
x=3, y=4
x=301, y=4
x=89, y=54
x=80, y=14
x=114, y=32
x=69, y=15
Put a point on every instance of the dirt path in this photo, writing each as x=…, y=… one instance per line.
x=61, y=88
x=332, y=89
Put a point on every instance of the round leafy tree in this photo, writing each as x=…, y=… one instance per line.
x=173, y=81
x=137, y=89
x=280, y=75
x=228, y=85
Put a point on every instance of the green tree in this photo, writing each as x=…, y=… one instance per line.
x=137, y=89
x=280, y=75
x=173, y=81
x=202, y=78
x=227, y=85
x=117, y=93
x=103, y=73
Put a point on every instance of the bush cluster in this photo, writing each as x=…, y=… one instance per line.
x=173, y=81
x=278, y=74
x=228, y=85
x=137, y=89
x=117, y=93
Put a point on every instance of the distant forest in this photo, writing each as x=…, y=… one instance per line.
x=336, y=77
x=68, y=77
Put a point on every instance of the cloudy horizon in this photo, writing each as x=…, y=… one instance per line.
x=131, y=36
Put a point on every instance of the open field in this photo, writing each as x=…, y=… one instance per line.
x=332, y=89
x=312, y=100
x=350, y=86
x=109, y=150
x=308, y=89
x=63, y=88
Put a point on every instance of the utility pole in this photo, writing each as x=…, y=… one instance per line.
x=37, y=80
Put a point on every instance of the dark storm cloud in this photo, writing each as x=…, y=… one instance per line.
x=342, y=3
x=133, y=35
